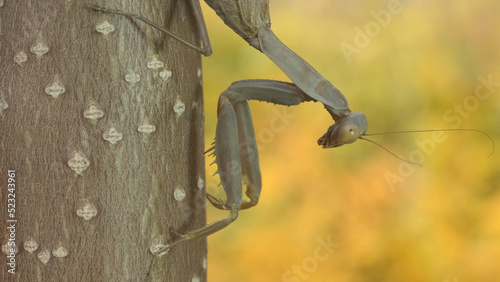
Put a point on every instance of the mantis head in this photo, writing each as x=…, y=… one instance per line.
x=344, y=131
x=353, y=126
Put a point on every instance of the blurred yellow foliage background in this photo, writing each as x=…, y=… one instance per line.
x=355, y=213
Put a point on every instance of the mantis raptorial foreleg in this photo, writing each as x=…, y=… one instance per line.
x=235, y=147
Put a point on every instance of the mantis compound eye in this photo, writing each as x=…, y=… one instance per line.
x=345, y=131
x=348, y=134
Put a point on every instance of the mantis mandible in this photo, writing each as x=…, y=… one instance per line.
x=235, y=148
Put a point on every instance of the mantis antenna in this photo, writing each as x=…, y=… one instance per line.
x=388, y=151
x=425, y=130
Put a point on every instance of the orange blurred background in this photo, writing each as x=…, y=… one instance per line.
x=356, y=213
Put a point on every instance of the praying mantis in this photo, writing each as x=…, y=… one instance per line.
x=235, y=149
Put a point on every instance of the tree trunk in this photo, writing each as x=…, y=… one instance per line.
x=101, y=141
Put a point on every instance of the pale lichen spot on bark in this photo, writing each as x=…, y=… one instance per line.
x=7, y=250
x=3, y=105
x=132, y=77
x=44, y=256
x=179, y=194
x=60, y=251
x=30, y=245
x=195, y=278
x=40, y=48
x=165, y=74
x=204, y=263
x=179, y=107
x=104, y=27
x=146, y=128
x=55, y=88
x=93, y=112
x=156, y=245
x=112, y=135
x=86, y=210
x=20, y=58
x=1, y=3
x=154, y=63
x=195, y=106
x=198, y=73
x=201, y=183
x=78, y=163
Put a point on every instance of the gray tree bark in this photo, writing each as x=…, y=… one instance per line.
x=101, y=133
